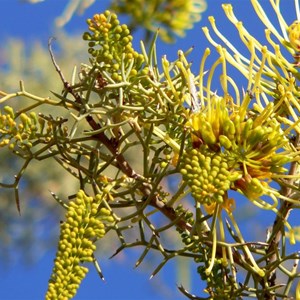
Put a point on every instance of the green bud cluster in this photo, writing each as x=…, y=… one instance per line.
x=216, y=285
x=85, y=222
x=185, y=214
x=207, y=173
x=190, y=239
x=110, y=45
x=187, y=238
x=22, y=130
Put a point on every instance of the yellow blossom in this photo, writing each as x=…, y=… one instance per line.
x=171, y=17
x=85, y=222
x=294, y=35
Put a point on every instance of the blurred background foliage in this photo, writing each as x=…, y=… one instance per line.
x=39, y=212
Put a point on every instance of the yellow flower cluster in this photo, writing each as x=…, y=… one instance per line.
x=85, y=223
x=171, y=16
x=110, y=46
x=259, y=143
x=246, y=145
x=20, y=134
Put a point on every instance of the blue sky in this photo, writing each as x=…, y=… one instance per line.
x=20, y=281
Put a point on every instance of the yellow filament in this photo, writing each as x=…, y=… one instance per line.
x=283, y=25
x=293, y=126
x=236, y=90
x=166, y=65
x=288, y=98
x=222, y=52
x=229, y=13
x=209, y=81
x=263, y=17
x=208, y=36
x=201, y=74
x=255, y=267
x=225, y=41
x=293, y=101
x=258, y=75
x=251, y=65
x=214, y=245
x=223, y=239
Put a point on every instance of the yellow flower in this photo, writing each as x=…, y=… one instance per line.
x=252, y=133
x=19, y=132
x=252, y=151
x=294, y=35
x=170, y=17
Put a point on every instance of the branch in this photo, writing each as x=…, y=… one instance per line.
x=278, y=226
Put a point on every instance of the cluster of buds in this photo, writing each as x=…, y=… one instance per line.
x=85, y=223
x=110, y=46
x=20, y=134
x=207, y=174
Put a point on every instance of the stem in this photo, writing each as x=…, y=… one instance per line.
x=278, y=227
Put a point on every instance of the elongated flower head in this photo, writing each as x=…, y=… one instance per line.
x=85, y=222
x=208, y=175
